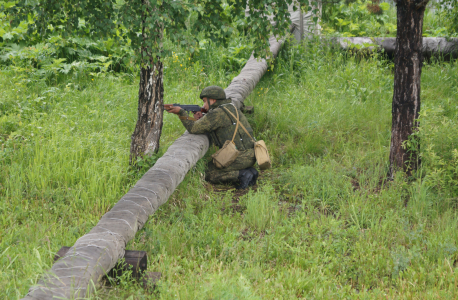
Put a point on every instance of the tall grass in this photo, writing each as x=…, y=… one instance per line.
x=322, y=224
x=347, y=232
x=261, y=208
x=64, y=158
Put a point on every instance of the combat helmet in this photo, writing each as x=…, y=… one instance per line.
x=213, y=92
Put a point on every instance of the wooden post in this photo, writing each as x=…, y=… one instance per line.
x=135, y=261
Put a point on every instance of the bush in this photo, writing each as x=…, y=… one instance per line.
x=450, y=9
x=359, y=18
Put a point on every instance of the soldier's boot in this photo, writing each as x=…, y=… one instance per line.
x=255, y=176
x=245, y=176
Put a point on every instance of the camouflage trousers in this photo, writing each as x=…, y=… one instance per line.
x=245, y=160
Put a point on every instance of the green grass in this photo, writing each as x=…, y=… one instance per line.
x=323, y=223
x=64, y=159
x=261, y=208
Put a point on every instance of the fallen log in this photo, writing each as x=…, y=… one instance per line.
x=432, y=46
x=98, y=251
x=242, y=85
x=77, y=273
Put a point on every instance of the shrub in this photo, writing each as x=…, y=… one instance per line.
x=359, y=18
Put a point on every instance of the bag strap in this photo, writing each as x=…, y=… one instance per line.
x=236, y=126
x=238, y=122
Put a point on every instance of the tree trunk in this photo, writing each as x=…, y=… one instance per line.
x=147, y=133
x=406, y=96
x=145, y=139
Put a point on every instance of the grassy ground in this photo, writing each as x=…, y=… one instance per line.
x=323, y=223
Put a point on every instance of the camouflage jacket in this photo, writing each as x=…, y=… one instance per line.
x=220, y=125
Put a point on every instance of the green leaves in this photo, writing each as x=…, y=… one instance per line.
x=145, y=22
x=270, y=18
x=8, y=36
x=67, y=13
x=451, y=13
x=356, y=19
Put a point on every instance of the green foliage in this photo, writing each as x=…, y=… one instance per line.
x=69, y=16
x=56, y=55
x=439, y=22
x=144, y=163
x=236, y=57
x=146, y=22
x=354, y=19
x=48, y=60
x=7, y=31
x=449, y=8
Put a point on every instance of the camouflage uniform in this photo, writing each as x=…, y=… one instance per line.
x=219, y=126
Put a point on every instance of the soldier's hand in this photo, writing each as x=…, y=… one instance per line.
x=198, y=115
x=173, y=109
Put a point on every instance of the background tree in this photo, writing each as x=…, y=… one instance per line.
x=146, y=22
x=404, y=149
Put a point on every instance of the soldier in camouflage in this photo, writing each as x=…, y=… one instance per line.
x=219, y=126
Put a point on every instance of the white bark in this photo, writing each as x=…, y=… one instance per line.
x=94, y=254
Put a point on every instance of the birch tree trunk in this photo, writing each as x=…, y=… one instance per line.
x=406, y=96
x=147, y=133
x=145, y=139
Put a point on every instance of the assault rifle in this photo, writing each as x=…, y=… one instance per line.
x=187, y=107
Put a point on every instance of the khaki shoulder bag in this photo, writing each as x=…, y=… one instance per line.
x=225, y=156
x=260, y=150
